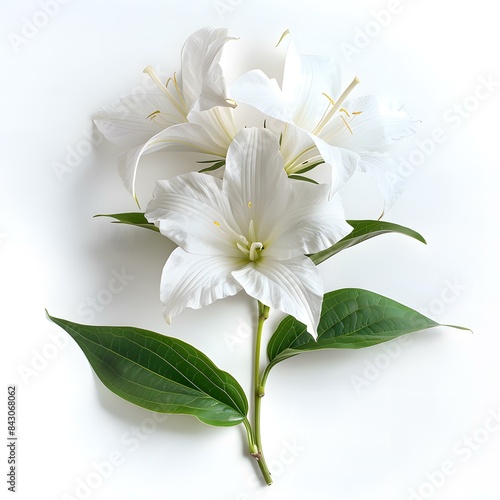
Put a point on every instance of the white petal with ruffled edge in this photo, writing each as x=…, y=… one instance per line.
x=196, y=281
x=291, y=286
x=310, y=224
x=306, y=79
x=126, y=123
x=202, y=82
x=256, y=89
x=218, y=123
x=193, y=212
x=381, y=122
x=383, y=170
x=343, y=162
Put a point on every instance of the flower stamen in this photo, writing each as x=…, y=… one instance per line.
x=243, y=249
x=347, y=125
x=335, y=106
x=250, y=250
x=180, y=107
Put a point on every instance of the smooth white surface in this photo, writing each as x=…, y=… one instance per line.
x=374, y=441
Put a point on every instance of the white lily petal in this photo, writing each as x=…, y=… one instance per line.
x=275, y=126
x=186, y=137
x=129, y=122
x=200, y=54
x=380, y=123
x=214, y=91
x=306, y=79
x=218, y=123
x=297, y=148
x=196, y=281
x=258, y=90
x=292, y=286
x=310, y=225
x=342, y=161
x=255, y=180
x=383, y=169
x=193, y=212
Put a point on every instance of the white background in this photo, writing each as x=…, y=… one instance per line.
x=373, y=424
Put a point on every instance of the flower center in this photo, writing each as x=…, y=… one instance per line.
x=248, y=246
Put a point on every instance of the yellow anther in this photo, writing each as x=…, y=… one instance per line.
x=332, y=102
x=343, y=110
x=356, y=112
x=249, y=204
x=217, y=223
x=152, y=115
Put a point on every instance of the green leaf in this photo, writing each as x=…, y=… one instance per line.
x=351, y=318
x=364, y=230
x=160, y=373
x=131, y=218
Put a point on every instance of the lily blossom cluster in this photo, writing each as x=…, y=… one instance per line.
x=250, y=222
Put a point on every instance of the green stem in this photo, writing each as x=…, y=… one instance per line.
x=259, y=393
x=252, y=447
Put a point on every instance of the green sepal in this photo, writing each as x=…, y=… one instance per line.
x=132, y=219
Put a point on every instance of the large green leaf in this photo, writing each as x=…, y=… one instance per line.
x=131, y=218
x=363, y=230
x=351, y=318
x=160, y=373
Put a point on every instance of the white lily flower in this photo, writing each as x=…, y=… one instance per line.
x=248, y=231
x=139, y=123
x=323, y=124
